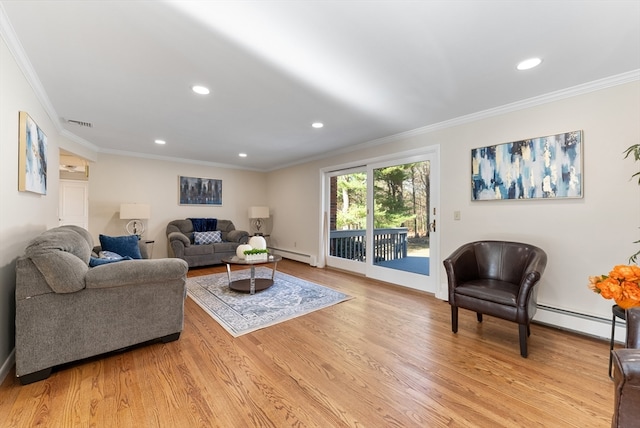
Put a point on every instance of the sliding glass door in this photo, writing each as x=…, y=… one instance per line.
x=382, y=220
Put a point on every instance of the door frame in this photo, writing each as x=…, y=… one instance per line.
x=393, y=276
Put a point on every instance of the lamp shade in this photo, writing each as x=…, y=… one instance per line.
x=259, y=212
x=135, y=211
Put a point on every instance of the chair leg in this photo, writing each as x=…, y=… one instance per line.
x=523, y=328
x=479, y=316
x=454, y=319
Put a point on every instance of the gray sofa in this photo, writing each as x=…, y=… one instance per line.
x=180, y=239
x=67, y=311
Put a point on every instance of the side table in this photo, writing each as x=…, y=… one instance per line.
x=149, y=245
x=618, y=312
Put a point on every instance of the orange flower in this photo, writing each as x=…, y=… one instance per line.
x=610, y=288
x=622, y=284
x=628, y=273
x=631, y=290
x=593, y=283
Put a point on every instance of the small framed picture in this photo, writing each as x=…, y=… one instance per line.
x=199, y=191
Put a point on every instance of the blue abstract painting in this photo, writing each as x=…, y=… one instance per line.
x=32, y=159
x=544, y=167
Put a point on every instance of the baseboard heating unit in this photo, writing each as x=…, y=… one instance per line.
x=293, y=255
x=588, y=324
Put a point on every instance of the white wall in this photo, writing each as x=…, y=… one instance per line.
x=23, y=215
x=582, y=237
x=117, y=179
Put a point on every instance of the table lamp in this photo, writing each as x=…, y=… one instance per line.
x=257, y=214
x=136, y=213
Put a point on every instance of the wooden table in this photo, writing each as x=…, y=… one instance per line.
x=252, y=284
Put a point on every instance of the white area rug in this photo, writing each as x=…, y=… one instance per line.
x=240, y=313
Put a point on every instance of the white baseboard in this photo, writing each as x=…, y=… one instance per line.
x=443, y=292
x=580, y=323
x=8, y=364
x=293, y=255
x=572, y=321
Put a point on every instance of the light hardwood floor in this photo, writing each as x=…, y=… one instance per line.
x=386, y=358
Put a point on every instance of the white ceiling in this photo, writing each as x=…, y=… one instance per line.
x=367, y=69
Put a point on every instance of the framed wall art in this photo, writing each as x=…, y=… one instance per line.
x=544, y=167
x=32, y=156
x=199, y=191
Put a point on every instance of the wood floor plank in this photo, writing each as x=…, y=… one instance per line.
x=386, y=358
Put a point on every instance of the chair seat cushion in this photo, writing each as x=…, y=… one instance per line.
x=492, y=290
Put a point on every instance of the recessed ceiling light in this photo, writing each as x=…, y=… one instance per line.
x=242, y=155
x=161, y=142
x=200, y=90
x=529, y=63
x=317, y=125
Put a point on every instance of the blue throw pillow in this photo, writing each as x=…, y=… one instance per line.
x=109, y=255
x=122, y=245
x=97, y=261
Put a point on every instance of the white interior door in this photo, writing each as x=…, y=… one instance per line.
x=74, y=203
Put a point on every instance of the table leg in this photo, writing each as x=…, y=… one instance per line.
x=252, y=287
x=229, y=273
x=273, y=271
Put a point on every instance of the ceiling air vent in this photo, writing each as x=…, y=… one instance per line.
x=80, y=123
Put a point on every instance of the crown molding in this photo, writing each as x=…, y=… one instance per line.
x=596, y=85
x=16, y=49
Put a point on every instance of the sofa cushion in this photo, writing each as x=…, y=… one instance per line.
x=225, y=247
x=122, y=245
x=204, y=238
x=199, y=250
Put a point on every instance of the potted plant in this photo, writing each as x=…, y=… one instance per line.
x=622, y=284
x=635, y=151
x=255, y=254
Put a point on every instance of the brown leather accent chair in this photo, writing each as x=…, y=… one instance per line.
x=626, y=378
x=496, y=278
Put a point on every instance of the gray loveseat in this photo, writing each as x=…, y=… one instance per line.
x=67, y=311
x=182, y=243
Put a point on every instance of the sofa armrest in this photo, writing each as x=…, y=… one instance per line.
x=239, y=236
x=627, y=387
x=179, y=237
x=132, y=272
x=633, y=327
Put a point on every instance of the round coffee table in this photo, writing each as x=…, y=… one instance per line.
x=252, y=284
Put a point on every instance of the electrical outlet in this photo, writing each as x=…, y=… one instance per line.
x=456, y=215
